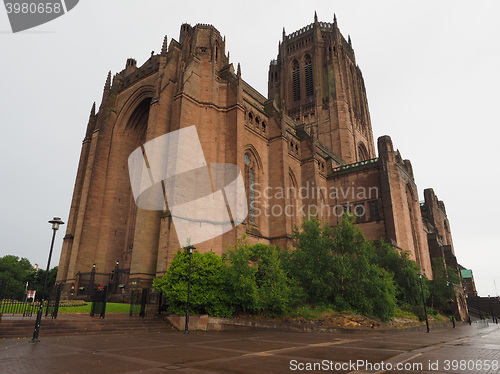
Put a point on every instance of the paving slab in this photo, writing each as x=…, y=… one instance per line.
x=246, y=351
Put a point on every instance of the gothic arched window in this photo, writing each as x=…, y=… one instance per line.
x=309, y=76
x=362, y=152
x=250, y=184
x=292, y=202
x=296, y=80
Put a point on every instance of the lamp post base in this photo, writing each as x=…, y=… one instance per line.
x=37, y=324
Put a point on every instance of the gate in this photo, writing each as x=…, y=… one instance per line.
x=115, y=281
x=145, y=302
x=99, y=302
x=53, y=301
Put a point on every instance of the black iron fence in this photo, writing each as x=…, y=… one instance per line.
x=54, y=300
x=99, y=298
x=15, y=307
x=145, y=302
x=30, y=308
x=114, y=281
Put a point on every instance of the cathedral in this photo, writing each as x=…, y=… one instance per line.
x=304, y=150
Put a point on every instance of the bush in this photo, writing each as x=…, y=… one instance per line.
x=208, y=292
x=329, y=267
x=340, y=267
x=405, y=274
x=256, y=279
x=311, y=264
x=72, y=303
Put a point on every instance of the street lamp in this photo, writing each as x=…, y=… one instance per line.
x=56, y=222
x=450, y=301
x=92, y=279
x=423, y=301
x=115, y=277
x=190, y=248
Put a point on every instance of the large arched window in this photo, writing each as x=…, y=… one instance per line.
x=250, y=185
x=292, y=202
x=411, y=201
x=309, y=76
x=296, y=80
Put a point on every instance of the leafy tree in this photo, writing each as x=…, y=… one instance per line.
x=440, y=292
x=362, y=284
x=36, y=278
x=311, y=264
x=241, y=278
x=340, y=267
x=405, y=274
x=16, y=271
x=208, y=287
x=256, y=279
x=274, y=288
x=336, y=267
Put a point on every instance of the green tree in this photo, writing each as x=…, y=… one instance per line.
x=208, y=286
x=17, y=271
x=36, y=278
x=275, y=290
x=241, y=278
x=339, y=267
x=256, y=279
x=405, y=274
x=440, y=292
x=361, y=283
x=311, y=264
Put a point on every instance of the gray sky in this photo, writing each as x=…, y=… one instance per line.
x=431, y=69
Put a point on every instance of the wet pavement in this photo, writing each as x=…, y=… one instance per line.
x=465, y=349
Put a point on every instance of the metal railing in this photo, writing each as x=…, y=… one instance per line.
x=482, y=323
x=144, y=302
x=16, y=307
x=12, y=307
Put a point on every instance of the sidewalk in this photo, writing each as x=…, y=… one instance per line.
x=247, y=351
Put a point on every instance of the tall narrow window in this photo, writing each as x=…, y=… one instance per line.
x=251, y=212
x=362, y=152
x=296, y=80
x=374, y=212
x=251, y=188
x=309, y=76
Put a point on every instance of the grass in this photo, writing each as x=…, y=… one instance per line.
x=110, y=308
x=312, y=312
x=404, y=313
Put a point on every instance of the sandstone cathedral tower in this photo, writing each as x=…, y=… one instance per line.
x=311, y=133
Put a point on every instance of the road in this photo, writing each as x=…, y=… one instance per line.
x=465, y=349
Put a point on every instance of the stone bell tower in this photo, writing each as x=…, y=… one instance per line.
x=317, y=83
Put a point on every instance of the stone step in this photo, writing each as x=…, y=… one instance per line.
x=69, y=325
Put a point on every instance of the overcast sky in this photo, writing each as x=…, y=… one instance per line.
x=431, y=69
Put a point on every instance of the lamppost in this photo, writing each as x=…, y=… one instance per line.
x=493, y=318
x=116, y=275
x=450, y=301
x=423, y=301
x=190, y=248
x=92, y=279
x=56, y=222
